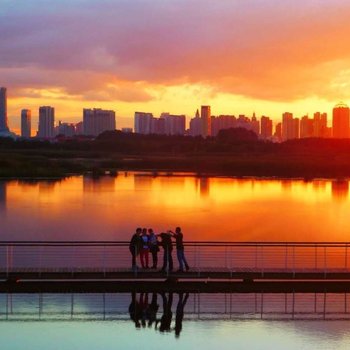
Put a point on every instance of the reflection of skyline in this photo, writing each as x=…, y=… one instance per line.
x=100, y=184
x=340, y=189
x=143, y=181
x=204, y=186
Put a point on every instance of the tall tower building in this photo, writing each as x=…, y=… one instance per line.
x=290, y=127
x=266, y=128
x=206, y=121
x=3, y=110
x=341, y=121
x=143, y=123
x=26, y=120
x=46, y=122
x=97, y=120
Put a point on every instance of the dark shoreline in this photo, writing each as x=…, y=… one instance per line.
x=236, y=155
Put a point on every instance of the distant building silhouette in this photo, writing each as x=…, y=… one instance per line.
x=341, y=121
x=306, y=127
x=143, y=123
x=26, y=123
x=278, y=132
x=290, y=127
x=195, y=125
x=66, y=129
x=222, y=122
x=206, y=121
x=46, y=122
x=96, y=121
x=3, y=109
x=320, y=125
x=174, y=124
x=255, y=125
x=265, y=128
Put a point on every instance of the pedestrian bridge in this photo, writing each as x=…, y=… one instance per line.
x=248, y=262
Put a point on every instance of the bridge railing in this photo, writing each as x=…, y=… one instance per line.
x=201, y=256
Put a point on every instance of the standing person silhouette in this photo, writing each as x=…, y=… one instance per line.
x=180, y=249
x=134, y=247
x=144, y=249
x=167, y=245
x=153, y=247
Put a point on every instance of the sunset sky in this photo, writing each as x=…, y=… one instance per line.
x=239, y=56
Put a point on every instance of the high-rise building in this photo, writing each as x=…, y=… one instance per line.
x=96, y=121
x=3, y=110
x=143, y=123
x=46, y=122
x=26, y=123
x=290, y=127
x=174, y=124
x=320, y=124
x=255, y=125
x=306, y=127
x=278, y=132
x=266, y=128
x=341, y=121
x=195, y=125
x=79, y=128
x=206, y=121
x=222, y=122
x=66, y=129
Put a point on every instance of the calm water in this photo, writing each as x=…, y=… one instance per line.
x=83, y=321
x=110, y=208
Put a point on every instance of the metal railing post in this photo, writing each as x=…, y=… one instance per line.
x=325, y=260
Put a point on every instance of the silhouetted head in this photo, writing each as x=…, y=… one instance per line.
x=139, y=230
x=150, y=231
x=144, y=231
x=178, y=229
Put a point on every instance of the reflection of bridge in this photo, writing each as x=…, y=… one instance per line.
x=306, y=265
x=114, y=306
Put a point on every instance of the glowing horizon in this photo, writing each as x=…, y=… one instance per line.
x=159, y=56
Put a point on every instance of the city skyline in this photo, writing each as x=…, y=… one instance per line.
x=228, y=55
x=204, y=124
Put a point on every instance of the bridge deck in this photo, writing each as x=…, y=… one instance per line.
x=152, y=274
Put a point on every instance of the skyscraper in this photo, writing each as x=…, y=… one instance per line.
x=46, y=122
x=206, y=121
x=290, y=127
x=3, y=110
x=26, y=125
x=143, y=123
x=266, y=128
x=97, y=120
x=341, y=121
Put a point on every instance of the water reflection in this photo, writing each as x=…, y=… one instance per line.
x=340, y=189
x=207, y=208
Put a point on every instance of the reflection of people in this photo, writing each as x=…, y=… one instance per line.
x=167, y=245
x=153, y=247
x=134, y=246
x=180, y=313
x=144, y=308
x=152, y=310
x=165, y=321
x=144, y=249
x=135, y=310
x=180, y=249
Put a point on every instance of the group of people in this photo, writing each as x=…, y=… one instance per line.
x=146, y=241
